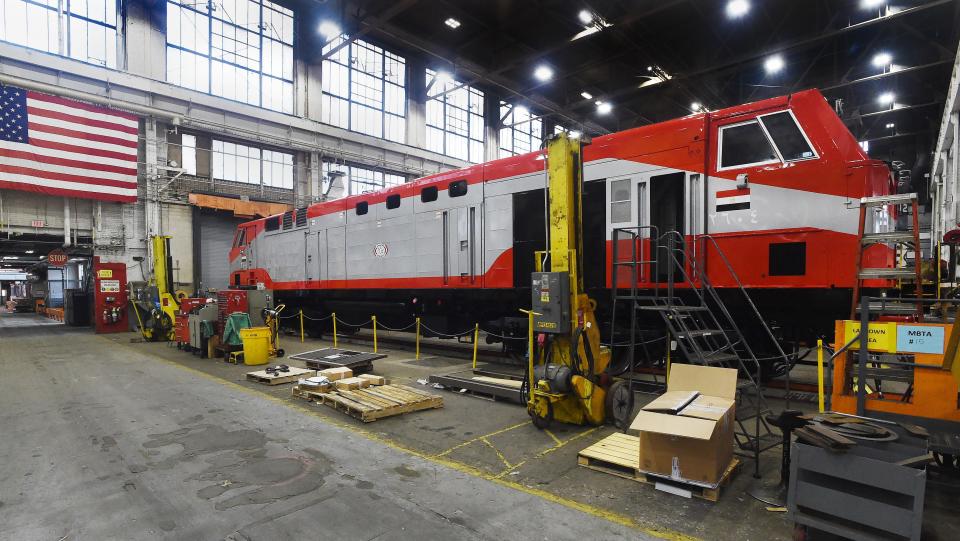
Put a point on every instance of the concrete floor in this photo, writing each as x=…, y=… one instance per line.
x=108, y=439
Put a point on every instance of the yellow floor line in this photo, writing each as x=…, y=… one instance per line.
x=479, y=438
x=612, y=516
x=552, y=436
x=499, y=454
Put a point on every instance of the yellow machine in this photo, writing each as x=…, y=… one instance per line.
x=566, y=361
x=162, y=305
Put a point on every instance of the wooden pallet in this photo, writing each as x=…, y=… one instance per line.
x=261, y=376
x=619, y=454
x=378, y=402
x=309, y=393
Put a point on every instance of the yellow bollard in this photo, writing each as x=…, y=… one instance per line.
x=374, y=318
x=668, y=356
x=301, y=325
x=532, y=383
x=476, y=337
x=334, y=315
x=820, y=374
x=418, y=339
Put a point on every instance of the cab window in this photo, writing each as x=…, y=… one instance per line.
x=786, y=135
x=745, y=144
x=240, y=239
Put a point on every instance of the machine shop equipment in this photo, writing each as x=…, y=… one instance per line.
x=566, y=378
x=155, y=303
x=109, y=296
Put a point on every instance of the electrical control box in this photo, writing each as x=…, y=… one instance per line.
x=551, y=299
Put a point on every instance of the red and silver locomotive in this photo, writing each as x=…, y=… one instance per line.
x=775, y=182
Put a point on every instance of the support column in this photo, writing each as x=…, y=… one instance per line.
x=416, y=103
x=491, y=126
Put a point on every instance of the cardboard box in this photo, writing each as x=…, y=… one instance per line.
x=350, y=384
x=334, y=374
x=373, y=379
x=687, y=433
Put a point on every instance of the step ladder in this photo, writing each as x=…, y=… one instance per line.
x=704, y=330
x=909, y=239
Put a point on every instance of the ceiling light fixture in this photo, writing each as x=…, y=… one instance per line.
x=543, y=73
x=586, y=95
x=585, y=16
x=882, y=60
x=329, y=30
x=886, y=98
x=774, y=64
x=574, y=134
x=871, y=4
x=891, y=125
x=10, y=257
x=737, y=8
x=695, y=106
x=452, y=23
x=28, y=251
x=603, y=107
x=442, y=78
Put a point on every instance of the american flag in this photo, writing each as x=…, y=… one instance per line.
x=62, y=147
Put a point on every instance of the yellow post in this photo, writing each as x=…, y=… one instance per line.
x=530, y=314
x=334, y=316
x=301, y=325
x=476, y=337
x=374, y=318
x=669, y=347
x=418, y=339
x=820, y=374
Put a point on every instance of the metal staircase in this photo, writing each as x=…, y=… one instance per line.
x=704, y=330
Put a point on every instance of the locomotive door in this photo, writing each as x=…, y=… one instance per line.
x=464, y=245
x=667, y=215
x=313, y=250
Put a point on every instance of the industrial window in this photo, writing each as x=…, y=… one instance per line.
x=457, y=188
x=272, y=223
x=787, y=136
x=788, y=259
x=364, y=89
x=520, y=132
x=251, y=165
x=393, y=201
x=454, y=118
x=429, y=194
x=188, y=153
x=745, y=144
x=237, y=49
x=362, y=208
x=89, y=27
x=620, y=201
x=362, y=180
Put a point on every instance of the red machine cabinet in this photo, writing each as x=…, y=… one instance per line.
x=110, y=303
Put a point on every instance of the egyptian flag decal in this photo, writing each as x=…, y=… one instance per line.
x=738, y=199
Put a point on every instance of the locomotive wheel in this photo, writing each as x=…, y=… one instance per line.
x=619, y=404
x=542, y=414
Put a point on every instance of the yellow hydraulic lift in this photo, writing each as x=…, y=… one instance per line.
x=566, y=380
x=163, y=314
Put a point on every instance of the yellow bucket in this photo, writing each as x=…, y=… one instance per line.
x=256, y=345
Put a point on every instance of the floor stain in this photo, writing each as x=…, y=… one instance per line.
x=167, y=525
x=204, y=439
x=407, y=472
x=273, y=478
x=107, y=442
x=191, y=420
x=365, y=485
x=137, y=468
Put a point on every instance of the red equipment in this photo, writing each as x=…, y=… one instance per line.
x=109, y=297
x=181, y=326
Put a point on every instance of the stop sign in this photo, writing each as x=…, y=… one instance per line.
x=57, y=258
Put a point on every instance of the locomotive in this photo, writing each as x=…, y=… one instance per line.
x=775, y=183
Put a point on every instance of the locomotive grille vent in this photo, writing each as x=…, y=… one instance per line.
x=288, y=219
x=301, y=216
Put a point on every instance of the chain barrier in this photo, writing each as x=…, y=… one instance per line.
x=444, y=335
x=408, y=327
x=364, y=324
x=324, y=318
x=501, y=337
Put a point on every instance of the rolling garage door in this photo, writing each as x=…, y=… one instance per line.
x=215, y=239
